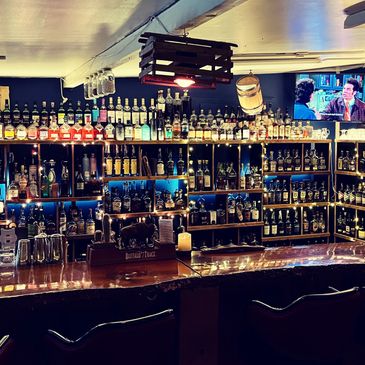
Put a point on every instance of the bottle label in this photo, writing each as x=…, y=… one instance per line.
x=361, y=234
x=20, y=134
x=103, y=115
x=128, y=133
x=118, y=116
x=274, y=230
x=90, y=228
x=61, y=118
x=9, y=134
x=77, y=136
x=133, y=166
x=266, y=230
x=126, y=166
x=206, y=181
x=160, y=169
x=191, y=182
x=80, y=186
x=255, y=215
x=109, y=166
x=117, y=167
x=111, y=116
x=89, y=136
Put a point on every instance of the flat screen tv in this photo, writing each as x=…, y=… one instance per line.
x=326, y=96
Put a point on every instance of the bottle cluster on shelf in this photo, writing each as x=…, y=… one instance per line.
x=166, y=118
x=351, y=194
x=346, y=223
x=69, y=223
x=288, y=161
x=277, y=192
x=280, y=222
x=347, y=162
x=239, y=210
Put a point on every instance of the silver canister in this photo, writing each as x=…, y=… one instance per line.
x=41, y=249
x=57, y=248
x=23, y=255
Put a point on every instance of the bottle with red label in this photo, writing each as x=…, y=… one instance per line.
x=99, y=131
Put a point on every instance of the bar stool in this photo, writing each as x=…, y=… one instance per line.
x=141, y=341
x=314, y=329
x=7, y=351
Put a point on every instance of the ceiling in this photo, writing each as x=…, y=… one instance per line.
x=43, y=38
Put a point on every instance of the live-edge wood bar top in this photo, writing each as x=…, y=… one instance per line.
x=320, y=255
x=37, y=279
x=172, y=274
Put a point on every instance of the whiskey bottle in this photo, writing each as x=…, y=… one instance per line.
x=297, y=161
x=126, y=111
x=231, y=177
x=168, y=130
x=116, y=201
x=117, y=162
x=287, y=224
x=295, y=193
x=35, y=114
x=99, y=131
x=281, y=225
x=109, y=130
x=81, y=224
x=80, y=182
x=160, y=164
x=352, y=163
x=133, y=163
x=207, y=178
x=108, y=161
x=322, y=162
x=358, y=196
x=180, y=163
x=242, y=177
x=340, y=161
x=307, y=161
x=184, y=127
x=191, y=177
x=361, y=231
x=65, y=186
x=170, y=165
x=126, y=201
x=169, y=104
x=255, y=213
x=340, y=193
x=346, y=161
x=305, y=223
x=288, y=163
x=266, y=225
x=90, y=223
x=273, y=162
x=296, y=225
x=21, y=132
x=280, y=162
x=137, y=131
x=278, y=193
x=128, y=130
x=177, y=104
x=285, y=194
x=111, y=110
x=314, y=223
x=200, y=177
x=86, y=167
x=316, y=192
x=119, y=130
x=274, y=225
x=176, y=128
x=119, y=111
x=103, y=112
x=9, y=131
x=126, y=162
x=161, y=101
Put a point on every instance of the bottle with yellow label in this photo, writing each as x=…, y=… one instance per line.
x=133, y=162
x=126, y=162
x=9, y=132
x=117, y=162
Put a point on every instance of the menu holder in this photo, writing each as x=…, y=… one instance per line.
x=108, y=254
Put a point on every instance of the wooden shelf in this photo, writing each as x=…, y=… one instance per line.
x=224, y=226
x=294, y=205
x=146, y=214
x=349, y=238
x=224, y=192
x=351, y=206
x=284, y=173
x=53, y=200
x=129, y=178
x=28, y=141
x=347, y=141
x=349, y=173
x=276, y=141
x=296, y=237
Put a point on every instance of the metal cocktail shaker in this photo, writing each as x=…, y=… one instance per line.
x=58, y=248
x=41, y=249
x=23, y=256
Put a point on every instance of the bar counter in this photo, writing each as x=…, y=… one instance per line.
x=173, y=274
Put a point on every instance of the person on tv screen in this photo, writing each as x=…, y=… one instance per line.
x=303, y=94
x=346, y=107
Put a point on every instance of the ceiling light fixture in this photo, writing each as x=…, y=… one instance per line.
x=184, y=81
x=189, y=62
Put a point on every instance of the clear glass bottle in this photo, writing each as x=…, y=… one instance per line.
x=109, y=130
x=90, y=223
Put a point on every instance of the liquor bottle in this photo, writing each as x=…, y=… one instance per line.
x=168, y=130
x=296, y=225
x=316, y=192
x=95, y=112
x=199, y=177
x=285, y=194
x=9, y=131
x=168, y=104
x=88, y=132
x=176, y=128
x=340, y=161
x=79, y=117
x=362, y=162
x=305, y=223
x=191, y=133
x=62, y=219
x=146, y=131
x=273, y=162
x=44, y=182
x=126, y=162
x=103, y=112
x=16, y=114
x=198, y=132
x=314, y=224
x=108, y=161
x=281, y=225
x=191, y=177
x=232, y=177
x=358, y=195
x=278, y=193
x=274, y=225
x=309, y=193
x=266, y=225
x=99, y=131
x=26, y=115
x=65, y=185
x=297, y=161
x=177, y=105
x=207, y=176
x=53, y=130
x=137, y=131
x=186, y=103
x=86, y=167
x=143, y=112
x=307, y=161
x=288, y=162
x=128, y=131
x=80, y=182
x=64, y=132
x=352, y=163
x=31, y=224
x=170, y=165
x=315, y=161
x=35, y=114
x=109, y=130
x=117, y=162
x=255, y=213
x=346, y=161
x=90, y=223
x=80, y=224
x=184, y=132
x=21, y=131
x=135, y=112
x=361, y=231
x=127, y=111
x=133, y=163
x=231, y=207
x=43, y=130
x=119, y=130
x=116, y=201
x=60, y=114
x=180, y=163
x=242, y=177
x=111, y=110
x=52, y=181
x=118, y=111
x=287, y=224
x=280, y=162
x=70, y=114
x=126, y=199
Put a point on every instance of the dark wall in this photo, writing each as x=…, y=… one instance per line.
x=276, y=88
